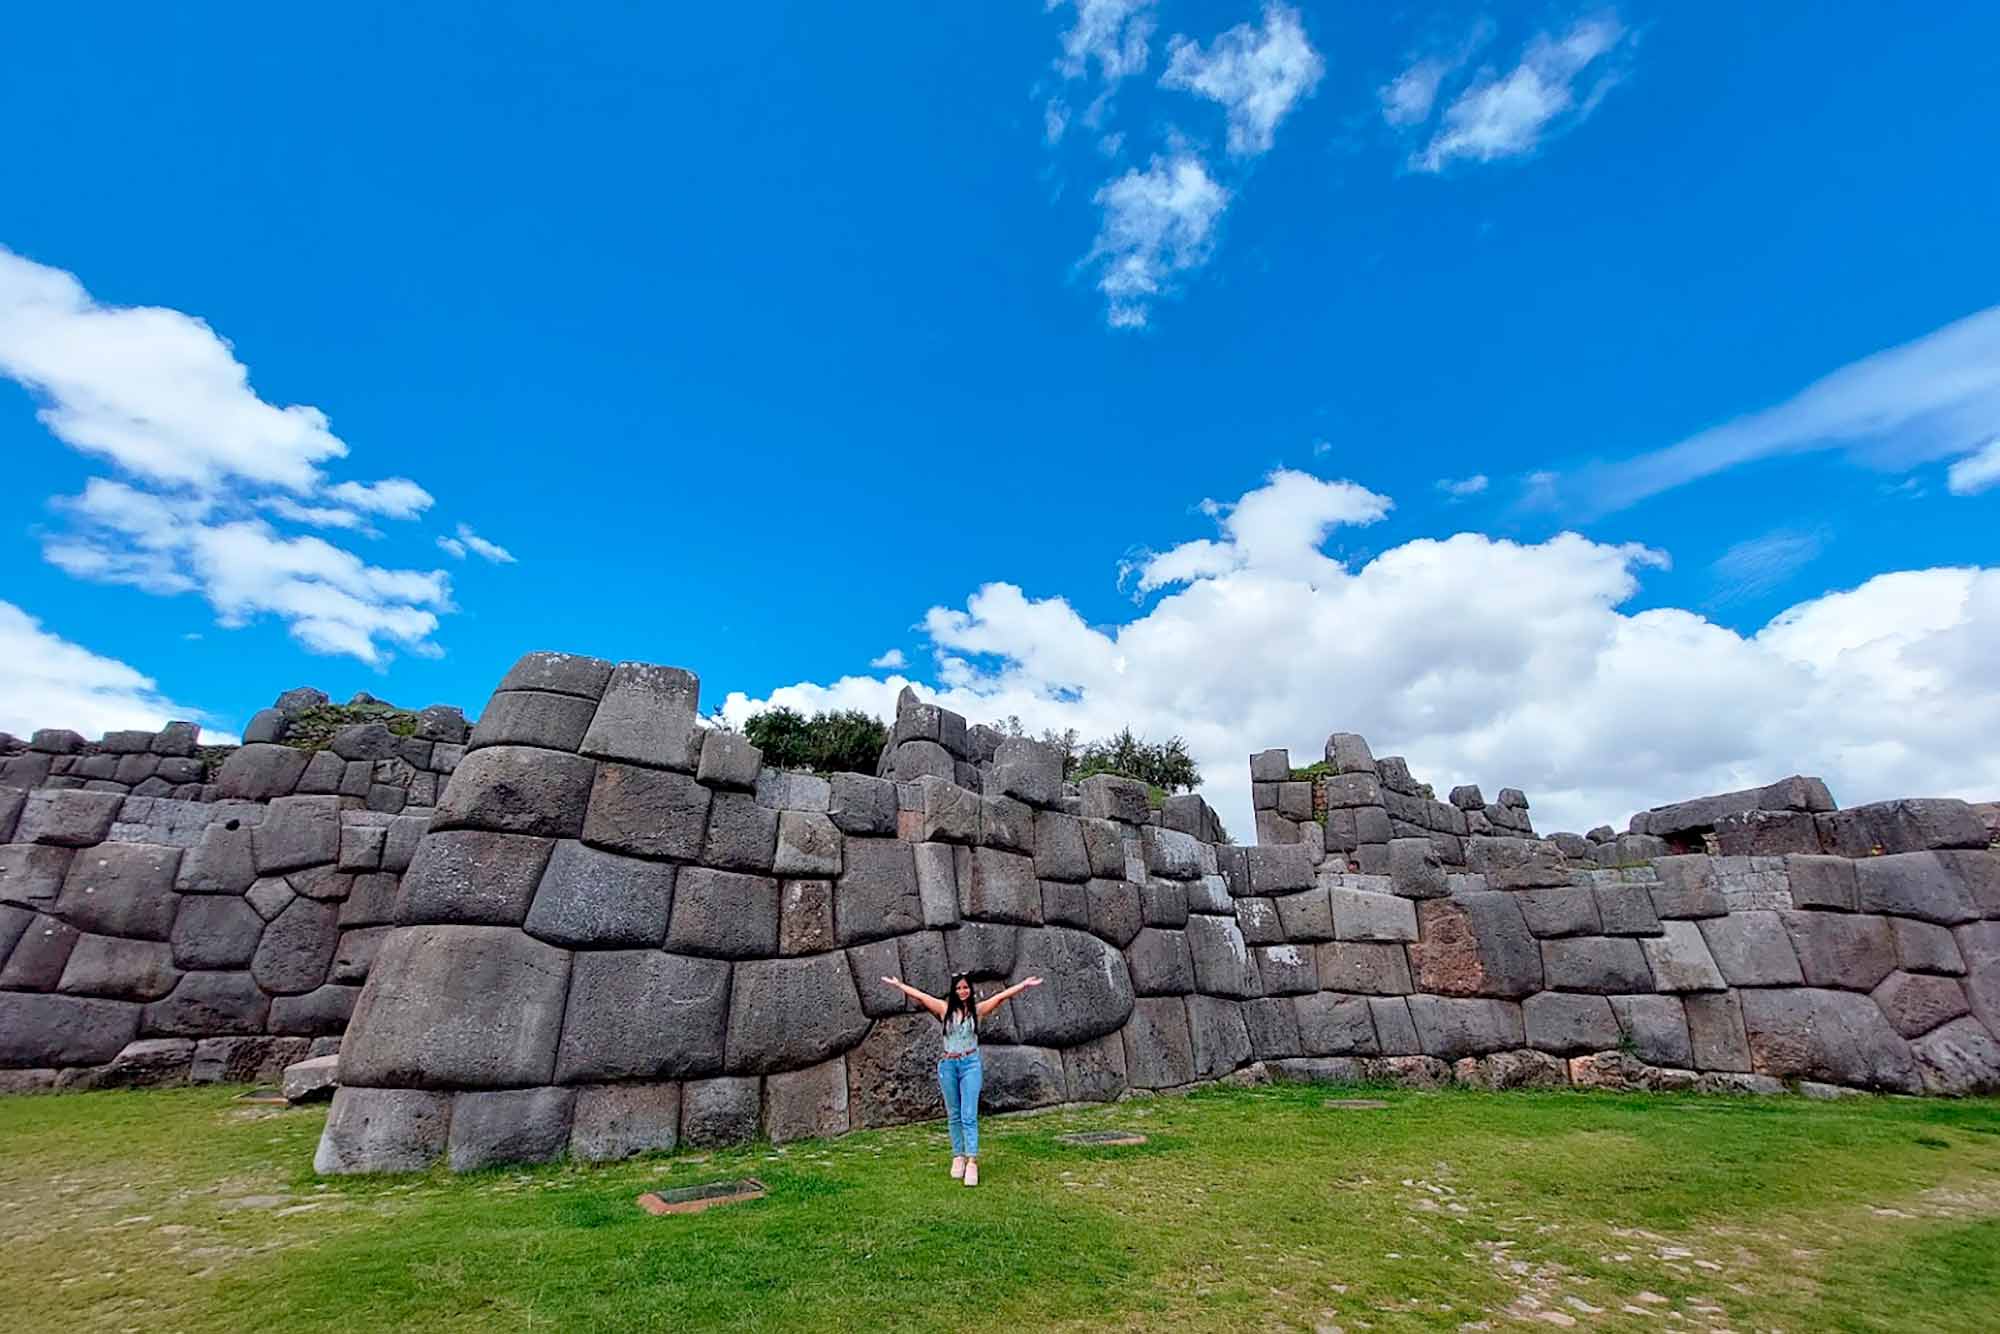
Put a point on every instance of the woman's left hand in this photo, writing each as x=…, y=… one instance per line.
x=1031, y=981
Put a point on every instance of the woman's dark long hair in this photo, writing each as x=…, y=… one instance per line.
x=954, y=1007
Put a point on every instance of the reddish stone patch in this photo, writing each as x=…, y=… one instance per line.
x=694, y=1199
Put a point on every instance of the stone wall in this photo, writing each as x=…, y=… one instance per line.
x=621, y=932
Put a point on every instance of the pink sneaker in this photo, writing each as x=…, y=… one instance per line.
x=972, y=1173
x=957, y=1168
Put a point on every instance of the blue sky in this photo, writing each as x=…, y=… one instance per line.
x=763, y=340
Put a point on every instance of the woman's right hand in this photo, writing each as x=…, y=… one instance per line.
x=893, y=981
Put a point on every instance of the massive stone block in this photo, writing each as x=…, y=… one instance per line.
x=998, y=886
x=1160, y=963
x=383, y=1130
x=31, y=875
x=787, y=1014
x=1569, y=911
x=1286, y=970
x=1335, y=1025
x=473, y=876
x=1840, y=949
x=1923, y=947
x=1475, y=944
x=1821, y=882
x=1451, y=1028
x=983, y=949
x=1914, y=1004
x=206, y=1004
x=260, y=771
x=1159, y=1051
x=561, y=673
x=647, y=715
x=892, y=1074
x=122, y=889
x=1222, y=963
x=1715, y=1032
x=222, y=863
x=118, y=969
x=1306, y=916
x=1688, y=888
x=724, y=913
x=1086, y=991
x=1835, y=1037
x=595, y=899
x=1752, y=949
x=1959, y=1059
x=876, y=895
x=742, y=835
x=862, y=805
x=1116, y=913
x=322, y=1012
x=1060, y=853
x=297, y=947
x=522, y=790
x=532, y=718
x=1218, y=1039
x=1601, y=964
x=644, y=812
x=45, y=1030
x=1365, y=967
x=458, y=1007
x=1910, y=825
x=613, y=1121
x=1569, y=1025
x=807, y=1104
x=1657, y=1028
x=1913, y=884
x=1095, y=1071
x=509, y=1126
x=642, y=1014
x=809, y=844
x=1108, y=797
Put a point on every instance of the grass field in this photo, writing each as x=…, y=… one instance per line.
x=1248, y=1209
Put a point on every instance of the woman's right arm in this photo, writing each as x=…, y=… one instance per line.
x=929, y=1002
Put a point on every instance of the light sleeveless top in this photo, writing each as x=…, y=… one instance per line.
x=961, y=1035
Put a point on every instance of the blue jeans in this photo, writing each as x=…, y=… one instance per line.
x=960, y=1080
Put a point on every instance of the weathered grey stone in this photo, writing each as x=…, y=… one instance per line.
x=1278, y=870
x=1270, y=766
x=146, y=1063
x=297, y=947
x=1914, y=1003
x=1838, y=1037
x=862, y=805
x=1027, y=770
x=1601, y=964
x=1365, y=968
x=1910, y=825
x=1065, y=903
x=1656, y=1027
x=269, y=896
x=1913, y=884
x=1307, y=916
x=117, y=969
x=1628, y=910
x=1059, y=849
x=1569, y=1025
x=1335, y=1025
x=1687, y=818
x=1715, y=1031
x=1511, y=1070
x=441, y=724
x=1104, y=845
x=807, y=1104
x=891, y=1075
x=1218, y=1039
x=1286, y=970
x=785, y=790
x=1159, y=963
x=260, y=771
x=383, y=1130
x=1821, y=882
x=998, y=886
x=1175, y=855
x=69, y=819
x=527, y=718
x=728, y=760
x=31, y=875
x=1475, y=944
x=1680, y=960
x=596, y=899
x=1095, y=1071
x=716, y=1113
x=869, y=964
x=1923, y=947
x=371, y=901
x=360, y=848
x=876, y=894
x=1274, y=830
x=1085, y=992
x=314, y=1079
x=321, y=1011
x=399, y=847
x=1109, y=797
x=1752, y=949
x=613, y=1121
x=473, y=876
x=365, y=741
x=1163, y=903
x=805, y=916
x=205, y=1004
x=1570, y=911
x=357, y=778
x=1222, y=963
x=1020, y=1077
x=647, y=715
x=1258, y=920
x=725, y=914
x=265, y=725
x=459, y=1007
x=1688, y=888
x=1116, y=910
x=1451, y=1028
x=983, y=949
x=324, y=883
x=1959, y=1059
x=644, y=812
x=56, y=741
x=48, y=1030
x=562, y=673
x=1159, y=1051
x=40, y=953
x=1395, y=1032
x=1349, y=754
x=355, y=954
x=742, y=836
x=1841, y=950
x=524, y=790
x=1272, y=1023
x=1415, y=870
x=13, y=925
x=787, y=1014
x=642, y=1014
x=122, y=889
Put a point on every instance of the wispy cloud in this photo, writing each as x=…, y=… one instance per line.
x=1408, y=98
x=1463, y=487
x=392, y=497
x=1975, y=472
x=1157, y=223
x=1113, y=35
x=469, y=541
x=1506, y=114
x=1759, y=565
x=1257, y=74
x=1935, y=397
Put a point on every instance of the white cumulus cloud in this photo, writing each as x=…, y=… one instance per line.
x=893, y=660
x=467, y=540
x=1113, y=34
x=1484, y=660
x=1258, y=75
x=1460, y=488
x=1157, y=223
x=1506, y=114
x=392, y=497
x=47, y=681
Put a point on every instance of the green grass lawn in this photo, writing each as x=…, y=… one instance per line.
x=1248, y=1209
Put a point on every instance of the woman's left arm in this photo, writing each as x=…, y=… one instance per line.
x=1000, y=998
